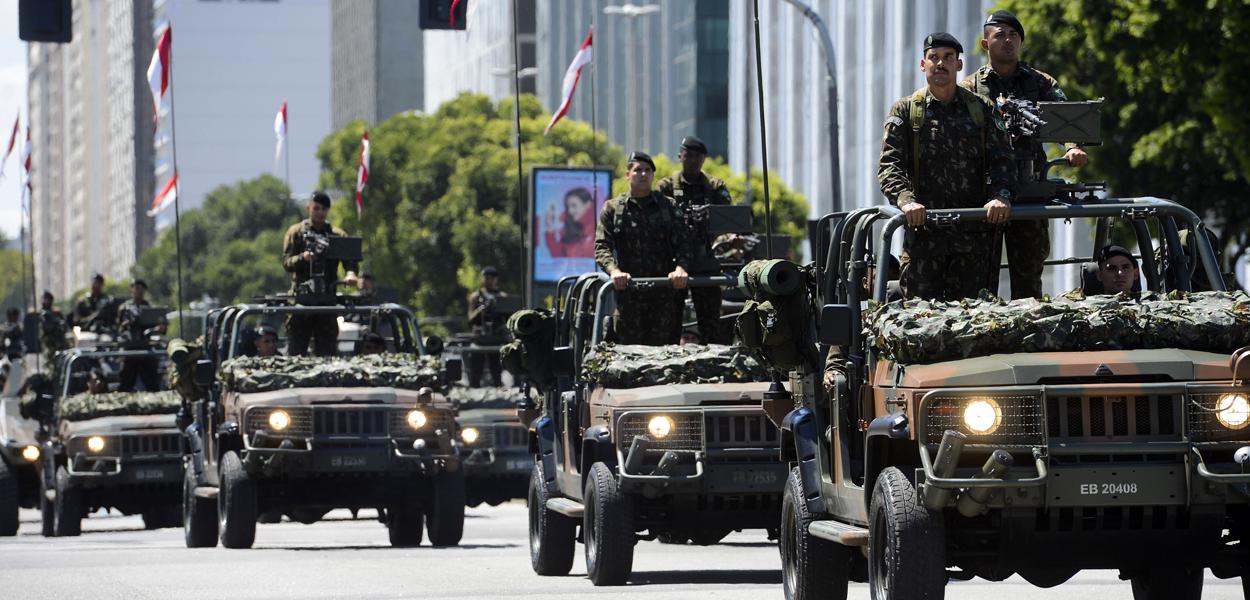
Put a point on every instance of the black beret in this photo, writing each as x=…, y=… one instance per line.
x=1113, y=250
x=691, y=142
x=321, y=198
x=1002, y=17
x=490, y=272
x=642, y=157
x=139, y=282
x=266, y=329
x=942, y=39
x=99, y=277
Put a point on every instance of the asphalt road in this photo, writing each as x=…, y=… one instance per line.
x=343, y=558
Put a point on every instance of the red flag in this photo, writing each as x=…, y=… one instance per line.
x=279, y=130
x=454, y=4
x=363, y=174
x=158, y=71
x=26, y=151
x=165, y=198
x=12, y=141
x=571, y=76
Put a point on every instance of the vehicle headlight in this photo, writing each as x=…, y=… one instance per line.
x=279, y=420
x=982, y=416
x=660, y=426
x=470, y=435
x=95, y=443
x=1233, y=411
x=30, y=453
x=416, y=419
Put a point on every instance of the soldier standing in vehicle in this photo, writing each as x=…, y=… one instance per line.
x=88, y=312
x=12, y=338
x=642, y=234
x=52, y=329
x=691, y=190
x=945, y=148
x=131, y=329
x=488, y=328
x=1006, y=76
x=301, y=262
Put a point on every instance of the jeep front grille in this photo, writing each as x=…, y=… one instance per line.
x=687, y=433
x=301, y=422
x=151, y=444
x=1103, y=418
x=508, y=436
x=434, y=420
x=350, y=422
x=740, y=431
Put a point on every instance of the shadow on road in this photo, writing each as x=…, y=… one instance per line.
x=749, y=544
x=761, y=576
x=384, y=547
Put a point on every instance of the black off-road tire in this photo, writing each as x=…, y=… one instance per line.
x=607, y=528
x=444, y=516
x=199, y=515
x=68, y=506
x=553, y=536
x=810, y=567
x=906, y=543
x=236, y=504
x=1168, y=583
x=404, y=524
x=8, y=501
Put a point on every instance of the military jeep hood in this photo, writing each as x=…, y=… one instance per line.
x=331, y=395
x=120, y=424
x=681, y=394
x=1029, y=369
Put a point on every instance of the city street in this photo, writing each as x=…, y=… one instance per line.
x=342, y=558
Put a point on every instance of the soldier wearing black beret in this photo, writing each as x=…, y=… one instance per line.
x=299, y=260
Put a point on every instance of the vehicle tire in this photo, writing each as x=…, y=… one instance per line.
x=404, y=525
x=236, y=504
x=199, y=515
x=607, y=528
x=810, y=567
x=68, y=506
x=1173, y=584
x=906, y=543
x=444, y=517
x=8, y=501
x=47, y=509
x=553, y=536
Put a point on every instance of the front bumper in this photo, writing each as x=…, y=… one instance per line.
x=497, y=462
x=129, y=458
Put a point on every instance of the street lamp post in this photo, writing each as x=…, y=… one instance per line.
x=632, y=11
x=831, y=87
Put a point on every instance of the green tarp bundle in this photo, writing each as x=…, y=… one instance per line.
x=249, y=374
x=81, y=407
x=630, y=366
x=923, y=331
x=486, y=397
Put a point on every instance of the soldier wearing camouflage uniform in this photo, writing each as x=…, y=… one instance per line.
x=692, y=190
x=52, y=329
x=298, y=260
x=1028, y=242
x=642, y=234
x=88, y=313
x=11, y=333
x=942, y=145
x=488, y=328
x=130, y=330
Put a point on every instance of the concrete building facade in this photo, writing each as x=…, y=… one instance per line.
x=479, y=59
x=376, y=60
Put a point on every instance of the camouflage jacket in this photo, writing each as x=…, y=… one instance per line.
x=692, y=197
x=1026, y=83
x=644, y=237
x=293, y=245
x=127, y=314
x=52, y=331
x=11, y=339
x=87, y=313
x=486, y=324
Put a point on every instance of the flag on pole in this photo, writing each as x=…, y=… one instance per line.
x=165, y=198
x=12, y=141
x=279, y=131
x=363, y=174
x=454, y=4
x=571, y=76
x=26, y=151
x=158, y=72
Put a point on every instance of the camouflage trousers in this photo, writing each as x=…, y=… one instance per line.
x=645, y=316
x=322, y=330
x=948, y=276
x=1028, y=246
x=707, y=303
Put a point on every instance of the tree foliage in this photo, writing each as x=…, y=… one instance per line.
x=11, y=273
x=1172, y=72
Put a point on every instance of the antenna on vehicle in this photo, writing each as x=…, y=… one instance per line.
x=759, y=84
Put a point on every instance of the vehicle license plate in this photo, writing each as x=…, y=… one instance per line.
x=754, y=478
x=1153, y=485
x=149, y=474
x=517, y=464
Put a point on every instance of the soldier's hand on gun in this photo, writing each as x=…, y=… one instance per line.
x=1077, y=157
x=620, y=279
x=678, y=278
x=997, y=211
x=307, y=255
x=914, y=211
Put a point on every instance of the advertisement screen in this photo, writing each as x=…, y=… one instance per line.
x=567, y=203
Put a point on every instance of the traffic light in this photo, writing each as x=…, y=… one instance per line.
x=444, y=14
x=45, y=21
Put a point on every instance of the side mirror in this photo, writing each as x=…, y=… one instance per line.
x=454, y=369
x=835, y=324
x=434, y=345
x=562, y=361
x=204, y=373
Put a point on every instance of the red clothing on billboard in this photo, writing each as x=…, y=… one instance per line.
x=574, y=244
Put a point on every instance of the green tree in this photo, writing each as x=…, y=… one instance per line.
x=1173, y=76
x=11, y=272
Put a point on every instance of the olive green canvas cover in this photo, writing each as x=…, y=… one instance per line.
x=82, y=407
x=630, y=366
x=249, y=374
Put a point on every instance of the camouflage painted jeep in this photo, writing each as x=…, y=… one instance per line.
x=1112, y=441
x=496, y=455
x=21, y=440
x=300, y=436
x=628, y=460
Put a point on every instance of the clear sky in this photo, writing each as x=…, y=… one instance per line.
x=12, y=98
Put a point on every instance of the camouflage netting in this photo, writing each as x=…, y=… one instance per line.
x=631, y=366
x=486, y=397
x=249, y=374
x=922, y=331
x=81, y=407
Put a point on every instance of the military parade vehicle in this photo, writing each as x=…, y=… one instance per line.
x=983, y=438
x=495, y=455
x=20, y=447
x=635, y=442
x=299, y=436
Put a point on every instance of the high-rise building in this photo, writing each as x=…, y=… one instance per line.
x=479, y=59
x=376, y=58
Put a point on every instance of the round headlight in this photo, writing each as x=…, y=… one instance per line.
x=982, y=416
x=30, y=453
x=1233, y=411
x=660, y=426
x=416, y=419
x=279, y=420
x=95, y=443
x=469, y=435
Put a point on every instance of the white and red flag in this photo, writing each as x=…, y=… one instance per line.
x=158, y=72
x=26, y=151
x=362, y=175
x=165, y=198
x=571, y=76
x=279, y=130
x=12, y=141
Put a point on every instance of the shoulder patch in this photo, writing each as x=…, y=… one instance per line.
x=894, y=120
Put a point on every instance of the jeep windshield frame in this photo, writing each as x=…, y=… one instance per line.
x=76, y=355
x=232, y=319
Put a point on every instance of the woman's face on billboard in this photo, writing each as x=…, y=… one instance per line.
x=576, y=206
